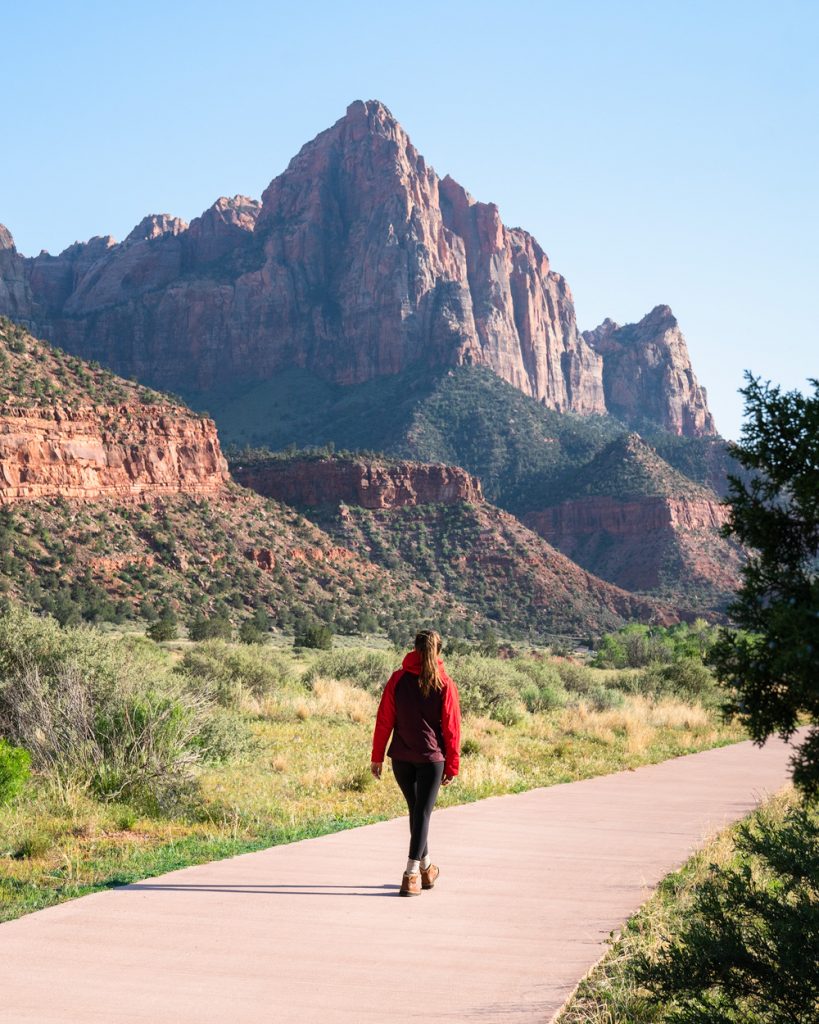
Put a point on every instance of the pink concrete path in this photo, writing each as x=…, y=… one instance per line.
x=530, y=887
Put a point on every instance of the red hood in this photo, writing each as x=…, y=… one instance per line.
x=412, y=663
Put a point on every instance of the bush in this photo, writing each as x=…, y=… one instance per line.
x=314, y=634
x=543, y=688
x=15, y=764
x=217, y=626
x=488, y=686
x=108, y=715
x=249, y=633
x=226, y=672
x=165, y=628
x=748, y=949
x=688, y=679
x=368, y=669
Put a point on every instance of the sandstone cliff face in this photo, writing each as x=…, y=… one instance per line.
x=638, y=517
x=359, y=262
x=99, y=452
x=650, y=544
x=647, y=374
x=355, y=482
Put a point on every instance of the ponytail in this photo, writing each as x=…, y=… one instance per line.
x=428, y=645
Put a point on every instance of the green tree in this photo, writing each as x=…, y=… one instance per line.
x=771, y=662
x=166, y=627
x=216, y=626
x=314, y=634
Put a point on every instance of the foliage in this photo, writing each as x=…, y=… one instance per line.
x=227, y=672
x=15, y=763
x=748, y=949
x=210, y=627
x=636, y=645
x=166, y=627
x=105, y=715
x=314, y=634
x=368, y=669
x=771, y=662
x=255, y=629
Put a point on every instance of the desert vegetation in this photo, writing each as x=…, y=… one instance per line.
x=124, y=756
x=731, y=937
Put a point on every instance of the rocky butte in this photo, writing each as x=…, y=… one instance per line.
x=630, y=518
x=358, y=262
x=96, y=452
x=370, y=484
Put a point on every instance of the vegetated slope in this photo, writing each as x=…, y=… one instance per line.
x=632, y=519
x=152, y=519
x=359, y=263
x=466, y=417
x=489, y=561
x=628, y=467
x=430, y=523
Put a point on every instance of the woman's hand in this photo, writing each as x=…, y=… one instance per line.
x=375, y=768
x=445, y=781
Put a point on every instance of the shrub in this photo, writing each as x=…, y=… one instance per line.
x=165, y=628
x=748, y=949
x=687, y=678
x=542, y=688
x=108, y=715
x=226, y=672
x=314, y=634
x=249, y=633
x=217, y=626
x=368, y=669
x=15, y=763
x=487, y=686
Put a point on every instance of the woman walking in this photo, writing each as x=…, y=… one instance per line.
x=420, y=708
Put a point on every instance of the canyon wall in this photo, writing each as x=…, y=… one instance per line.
x=95, y=452
x=371, y=485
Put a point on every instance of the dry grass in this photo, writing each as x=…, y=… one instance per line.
x=308, y=769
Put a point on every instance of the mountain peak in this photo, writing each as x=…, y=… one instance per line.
x=155, y=225
x=6, y=241
x=375, y=109
x=647, y=374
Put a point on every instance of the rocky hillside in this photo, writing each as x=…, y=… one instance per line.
x=118, y=503
x=369, y=484
x=359, y=263
x=431, y=524
x=71, y=431
x=630, y=518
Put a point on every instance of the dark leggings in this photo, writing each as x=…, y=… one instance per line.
x=420, y=784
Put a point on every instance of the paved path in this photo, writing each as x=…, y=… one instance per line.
x=531, y=885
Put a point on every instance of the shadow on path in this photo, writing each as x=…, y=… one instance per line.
x=270, y=890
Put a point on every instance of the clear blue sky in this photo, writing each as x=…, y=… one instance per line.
x=660, y=151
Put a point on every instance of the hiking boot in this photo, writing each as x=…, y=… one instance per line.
x=428, y=877
x=410, y=885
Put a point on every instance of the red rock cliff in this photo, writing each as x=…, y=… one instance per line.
x=355, y=482
x=647, y=374
x=359, y=262
x=107, y=451
x=651, y=543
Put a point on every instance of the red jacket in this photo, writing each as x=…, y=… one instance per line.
x=423, y=728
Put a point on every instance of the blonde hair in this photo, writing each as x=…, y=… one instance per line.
x=428, y=645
